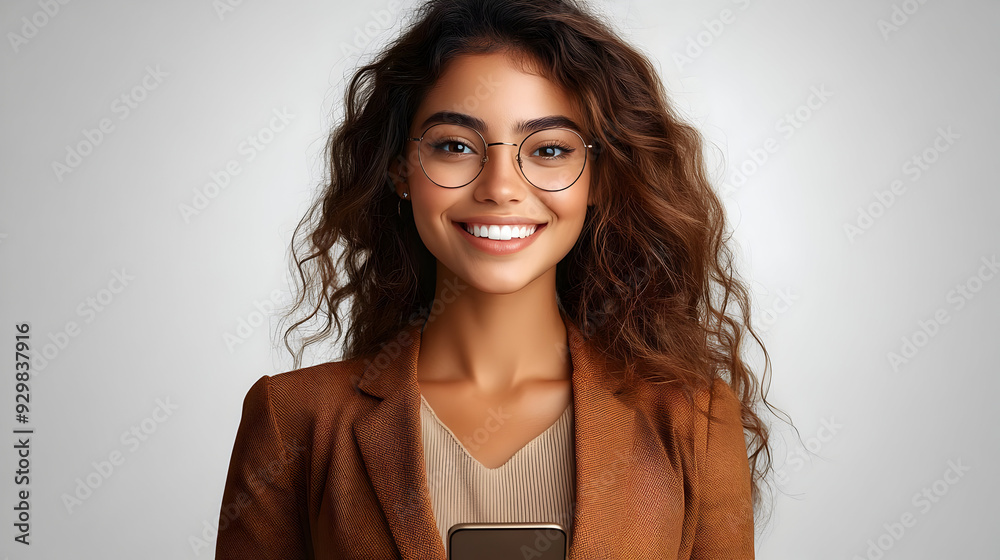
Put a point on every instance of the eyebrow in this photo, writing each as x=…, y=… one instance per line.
x=522, y=127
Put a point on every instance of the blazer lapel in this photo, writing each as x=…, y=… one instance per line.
x=604, y=430
x=391, y=445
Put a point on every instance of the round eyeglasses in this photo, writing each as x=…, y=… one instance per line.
x=453, y=155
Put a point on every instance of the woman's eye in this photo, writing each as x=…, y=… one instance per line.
x=551, y=152
x=455, y=147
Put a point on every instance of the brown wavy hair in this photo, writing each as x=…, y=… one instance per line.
x=650, y=281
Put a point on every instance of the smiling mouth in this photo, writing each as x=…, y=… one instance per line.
x=503, y=232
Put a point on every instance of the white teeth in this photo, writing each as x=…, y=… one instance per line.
x=502, y=233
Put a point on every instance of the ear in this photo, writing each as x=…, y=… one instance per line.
x=403, y=165
x=397, y=175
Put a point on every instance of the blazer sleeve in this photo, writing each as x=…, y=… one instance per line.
x=262, y=512
x=725, y=527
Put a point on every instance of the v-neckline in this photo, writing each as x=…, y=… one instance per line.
x=510, y=459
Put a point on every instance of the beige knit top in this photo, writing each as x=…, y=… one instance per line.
x=535, y=485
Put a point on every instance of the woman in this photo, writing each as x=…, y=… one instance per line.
x=540, y=324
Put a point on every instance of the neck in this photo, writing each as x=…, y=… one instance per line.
x=495, y=342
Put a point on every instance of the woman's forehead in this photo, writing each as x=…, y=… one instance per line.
x=497, y=91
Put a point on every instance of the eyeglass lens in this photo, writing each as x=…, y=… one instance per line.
x=453, y=155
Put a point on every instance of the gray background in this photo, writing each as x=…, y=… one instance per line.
x=834, y=304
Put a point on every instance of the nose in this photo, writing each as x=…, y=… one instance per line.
x=501, y=179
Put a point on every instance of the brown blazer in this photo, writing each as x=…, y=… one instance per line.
x=328, y=464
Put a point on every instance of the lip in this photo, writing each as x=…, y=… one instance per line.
x=495, y=246
x=500, y=220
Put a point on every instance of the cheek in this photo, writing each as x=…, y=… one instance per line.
x=421, y=218
x=573, y=208
x=577, y=214
x=430, y=202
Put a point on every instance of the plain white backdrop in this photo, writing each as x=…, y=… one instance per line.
x=156, y=156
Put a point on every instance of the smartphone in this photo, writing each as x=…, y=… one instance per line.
x=507, y=541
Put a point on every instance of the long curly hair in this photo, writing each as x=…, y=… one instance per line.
x=650, y=281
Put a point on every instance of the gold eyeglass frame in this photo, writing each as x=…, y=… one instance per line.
x=486, y=157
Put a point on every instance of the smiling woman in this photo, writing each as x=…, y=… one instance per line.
x=482, y=192
x=544, y=325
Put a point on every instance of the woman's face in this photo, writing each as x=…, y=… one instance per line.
x=491, y=89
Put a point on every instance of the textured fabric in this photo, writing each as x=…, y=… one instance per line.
x=328, y=464
x=534, y=485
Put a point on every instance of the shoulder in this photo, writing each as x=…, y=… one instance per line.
x=693, y=414
x=680, y=401
x=298, y=401
x=705, y=436
x=310, y=385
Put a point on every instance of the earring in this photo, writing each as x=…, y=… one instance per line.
x=398, y=212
